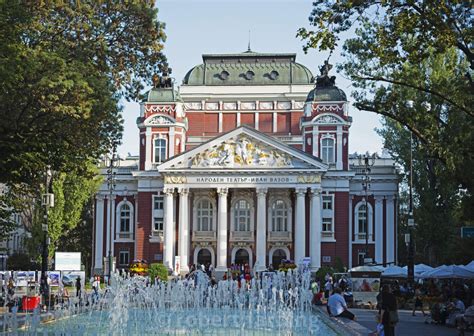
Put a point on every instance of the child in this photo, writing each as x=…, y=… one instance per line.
x=379, y=330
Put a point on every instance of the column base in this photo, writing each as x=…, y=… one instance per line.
x=314, y=269
x=260, y=268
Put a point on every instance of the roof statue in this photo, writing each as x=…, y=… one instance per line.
x=324, y=80
x=164, y=81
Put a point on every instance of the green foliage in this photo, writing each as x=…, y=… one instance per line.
x=158, y=270
x=389, y=60
x=21, y=262
x=321, y=273
x=339, y=265
x=63, y=68
x=7, y=211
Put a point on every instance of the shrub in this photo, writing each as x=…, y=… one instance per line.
x=158, y=270
x=21, y=262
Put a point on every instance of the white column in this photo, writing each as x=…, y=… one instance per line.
x=275, y=121
x=315, y=230
x=238, y=119
x=171, y=143
x=339, y=147
x=169, y=228
x=261, y=229
x=300, y=227
x=315, y=140
x=99, y=231
x=350, y=231
x=378, y=229
x=148, y=148
x=390, y=242
x=183, y=229
x=220, y=122
x=113, y=226
x=257, y=117
x=222, y=231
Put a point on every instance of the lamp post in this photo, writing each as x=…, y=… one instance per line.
x=411, y=221
x=366, y=161
x=47, y=200
x=112, y=162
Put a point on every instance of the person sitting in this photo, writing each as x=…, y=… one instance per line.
x=318, y=298
x=466, y=320
x=337, y=306
x=379, y=329
x=455, y=308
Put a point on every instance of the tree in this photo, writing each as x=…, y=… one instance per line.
x=72, y=192
x=63, y=68
x=392, y=38
x=441, y=204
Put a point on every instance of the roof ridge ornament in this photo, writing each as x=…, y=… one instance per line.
x=324, y=80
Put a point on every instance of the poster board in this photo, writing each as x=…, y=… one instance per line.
x=67, y=261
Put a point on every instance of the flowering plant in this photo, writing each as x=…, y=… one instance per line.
x=286, y=265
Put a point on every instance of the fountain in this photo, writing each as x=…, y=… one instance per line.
x=277, y=304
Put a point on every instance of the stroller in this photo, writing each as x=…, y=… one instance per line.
x=438, y=314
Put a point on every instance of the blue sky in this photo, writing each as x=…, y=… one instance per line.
x=196, y=27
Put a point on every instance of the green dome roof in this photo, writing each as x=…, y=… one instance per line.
x=329, y=93
x=162, y=95
x=248, y=68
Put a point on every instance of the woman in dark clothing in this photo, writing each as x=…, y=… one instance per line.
x=389, y=311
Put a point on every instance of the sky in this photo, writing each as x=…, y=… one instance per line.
x=196, y=27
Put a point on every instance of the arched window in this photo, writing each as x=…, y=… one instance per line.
x=160, y=150
x=205, y=215
x=327, y=150
x=242, y=215
x=279, y=216
x=125, y=218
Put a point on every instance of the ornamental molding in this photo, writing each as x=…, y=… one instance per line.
x=298, y=105
x=230, y=106
x=309, y=179
x=212, y=106
x=158, y=120
x=248, y=105
x=328, y=119
x=327, y=108
x=283, y=106
x=241, y=152
x=175, y=179
x=266, y=105
x=193, y=106
x=160, y=108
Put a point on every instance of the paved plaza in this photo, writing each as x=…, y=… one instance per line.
x=408, y=324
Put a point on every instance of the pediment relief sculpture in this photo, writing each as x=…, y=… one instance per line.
x=241, y=152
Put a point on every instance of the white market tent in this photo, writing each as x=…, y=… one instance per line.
x=367, y=269
x=394, y=272
x=470, y=266
x=449, y=272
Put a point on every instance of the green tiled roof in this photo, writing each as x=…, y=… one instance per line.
x=248, y=68
x=330, y=93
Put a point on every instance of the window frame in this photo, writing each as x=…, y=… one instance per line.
x=279, y=214
x=242, y=213
x=360, y=236
x=124, y=252
x=209, y=215
x=326, y=149
x=161, y=159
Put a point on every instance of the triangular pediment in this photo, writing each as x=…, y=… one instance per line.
x=243, y=148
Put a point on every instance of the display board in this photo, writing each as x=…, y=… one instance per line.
x=67, y=261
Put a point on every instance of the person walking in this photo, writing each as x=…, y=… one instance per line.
x=78, y=286
x=388, y=311
x=418, y=301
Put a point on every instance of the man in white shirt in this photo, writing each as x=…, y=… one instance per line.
x=337, y=305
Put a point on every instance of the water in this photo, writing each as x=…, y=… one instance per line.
x=277, y=305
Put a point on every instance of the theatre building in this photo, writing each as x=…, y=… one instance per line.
x=247, y=163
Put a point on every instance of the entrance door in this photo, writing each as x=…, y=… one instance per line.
x=277, y=257
x=241, y=257
x=204, y=257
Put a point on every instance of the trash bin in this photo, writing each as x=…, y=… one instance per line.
x=30, y=302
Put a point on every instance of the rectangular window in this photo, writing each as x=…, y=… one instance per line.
x=158, y=202
x=327, y=224
x=124, y=258
x=327, y=202
x=327, y=150
x=160, y=150
x=157, y=224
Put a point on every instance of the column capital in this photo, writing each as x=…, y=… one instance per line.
x=222, y=191
x=379, y=199
x=300, y=192
x=315, y=192
x=99, y=197
x=262, y=192
x=168, y=191
x=183, y=191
